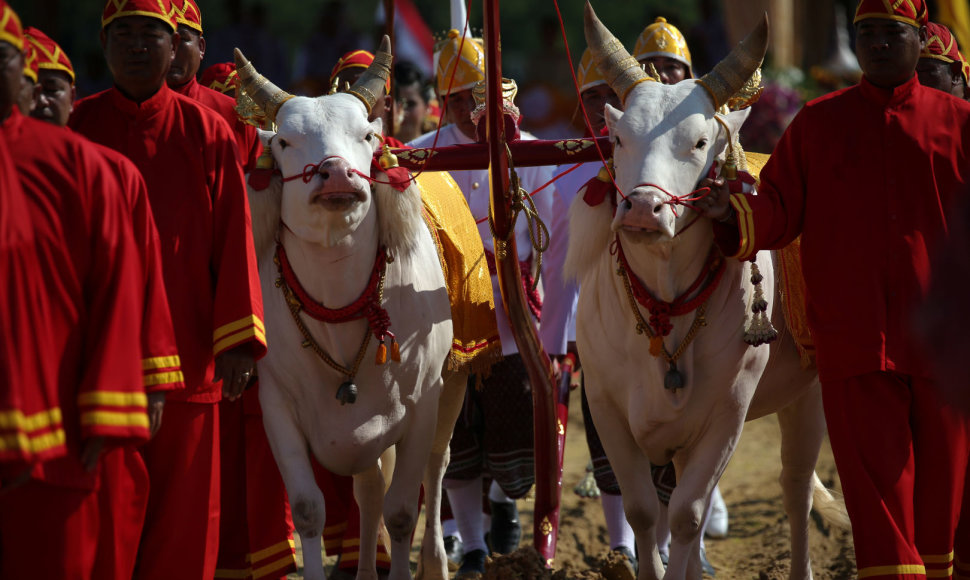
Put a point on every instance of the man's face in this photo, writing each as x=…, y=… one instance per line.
x=942, y=76
x=595, y=100
x=189, y=52
x=11, y=77
x=55, y=97
x=25, y=99
x=458, y=110
x=139, y=51
x=888, y=50
x=671, y=71
x=412, y=108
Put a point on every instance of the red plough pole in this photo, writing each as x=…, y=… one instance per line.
x=548, y=466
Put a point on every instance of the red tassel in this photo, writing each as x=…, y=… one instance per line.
x=395, y=351
x=596, y=191
x=259, y=178
x=656, y=345
x=381, y=354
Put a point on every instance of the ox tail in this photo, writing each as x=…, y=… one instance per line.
x=829, y=504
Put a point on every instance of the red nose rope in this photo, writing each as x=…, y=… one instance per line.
x=367, y=305
x=398, y=177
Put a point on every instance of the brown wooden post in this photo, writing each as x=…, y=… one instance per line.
x=548, y=473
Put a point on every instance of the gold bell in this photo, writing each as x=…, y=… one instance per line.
x=388, y=160
x=729, y=171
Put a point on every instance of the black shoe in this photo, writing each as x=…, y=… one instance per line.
x=453, y=549
x=705, y=565
x=472, y=563
x=505, y=531
x=629, y=556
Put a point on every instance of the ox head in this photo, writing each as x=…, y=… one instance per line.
x=667, y=137
x=324, y=148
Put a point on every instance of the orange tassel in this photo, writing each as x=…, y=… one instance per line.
x=381, y=354
x=656, y=345
x=395, y=351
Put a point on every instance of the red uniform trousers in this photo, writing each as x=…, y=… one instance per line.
x=341, y=532
x=901, y=452
x=255, y=530
x=122, y=501
x=183, y=503
x=47, y=531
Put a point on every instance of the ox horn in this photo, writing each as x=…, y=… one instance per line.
x=621, y=70
x=372, y=84
x=730, y=74
x=264, y=93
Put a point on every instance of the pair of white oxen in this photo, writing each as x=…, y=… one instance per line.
x=333, y=225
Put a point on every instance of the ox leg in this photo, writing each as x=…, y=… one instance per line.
x=697, y=474
x=306, y=500
x=802, y=430
x=369, y=493
x=401, y=500
x=632, y=470
x=433, y=563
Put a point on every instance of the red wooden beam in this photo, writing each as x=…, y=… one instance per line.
x=524, y=154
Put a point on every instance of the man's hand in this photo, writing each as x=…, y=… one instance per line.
x=90, y=452
x=717, y=204
x=234, y=368
x=156, y=404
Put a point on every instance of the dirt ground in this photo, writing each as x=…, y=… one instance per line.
x=757, y=545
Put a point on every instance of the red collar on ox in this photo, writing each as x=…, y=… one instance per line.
x=660, y=312
x=367, y=305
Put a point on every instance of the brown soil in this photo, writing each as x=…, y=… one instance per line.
x=757, y=545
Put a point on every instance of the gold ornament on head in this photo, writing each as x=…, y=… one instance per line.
x=264, y=93
x=622, y=71
x=730, y=75
x=372, y=84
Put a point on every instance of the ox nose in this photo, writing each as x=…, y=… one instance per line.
x=337, y=175
x=642, y=210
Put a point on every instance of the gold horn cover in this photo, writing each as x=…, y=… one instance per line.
x=730, y=74
x=620, y=69
x=264, y=93
x=372, y=84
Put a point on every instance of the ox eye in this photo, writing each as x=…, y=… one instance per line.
x=369, y=137
x=701, y=144
x=283, y=144
x=616, y=142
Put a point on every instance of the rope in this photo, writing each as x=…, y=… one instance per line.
x=543, y=186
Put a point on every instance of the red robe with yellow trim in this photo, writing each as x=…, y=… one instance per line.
x=247, y=138
x=25, y=372
x=160, y=361
x=93, y=292
x=866, y=176
x=190, y=163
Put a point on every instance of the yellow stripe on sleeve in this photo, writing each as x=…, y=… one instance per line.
x=113, y=399
x=15, y=419
x=161, y=362
x=163, y=378
x=937, y=558
x=114, y=419
x=745, y=225
x=891, y=570
x=226, y=329
x=264, y=571
x=940, y=573
x=36, y=444
x=239, y=338
x=288, y=545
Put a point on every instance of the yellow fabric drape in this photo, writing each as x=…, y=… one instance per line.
x=955, y=15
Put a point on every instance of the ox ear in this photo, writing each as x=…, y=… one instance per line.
x=735, y=119
x=377, y=127
x=265, y=137
x=612, y=116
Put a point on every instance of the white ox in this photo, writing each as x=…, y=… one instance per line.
x=668, y=137
x=331, y=222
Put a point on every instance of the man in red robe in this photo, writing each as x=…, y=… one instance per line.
x=867, y=176
x=941, y=65
x=89, y=308
x=181, y=78
x=123, y=494
x=190, y=163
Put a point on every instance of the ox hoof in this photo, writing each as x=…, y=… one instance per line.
x=472, y=563
x=506, y=531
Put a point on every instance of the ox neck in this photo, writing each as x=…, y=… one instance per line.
x=668, y=269
x=333, y=275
